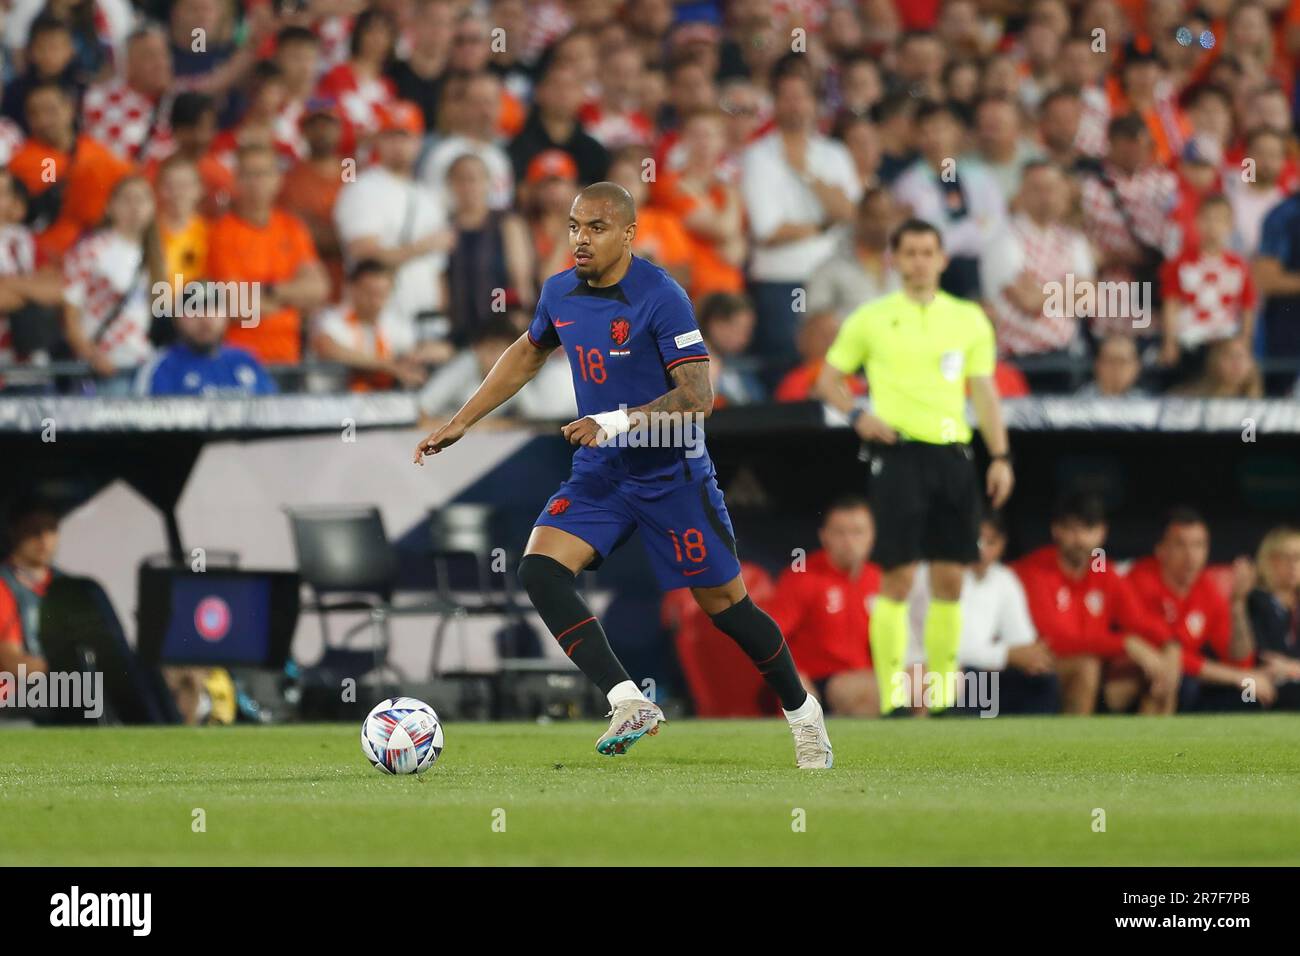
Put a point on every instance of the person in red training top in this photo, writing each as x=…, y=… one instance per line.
x=823, y=608
x=1090, y=618
x=33, y=532
x=721, y=679
x=1214, y=632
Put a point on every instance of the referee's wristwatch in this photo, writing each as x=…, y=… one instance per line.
x=1004, y=456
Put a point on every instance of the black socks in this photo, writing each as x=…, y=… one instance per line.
x=758, y=636
x=554, y=592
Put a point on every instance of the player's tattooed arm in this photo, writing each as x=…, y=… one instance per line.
x=692, y=394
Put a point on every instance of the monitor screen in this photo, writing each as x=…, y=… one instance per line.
x=217, y=617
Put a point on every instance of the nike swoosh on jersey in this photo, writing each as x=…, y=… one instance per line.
x=560, y=325
x=691, y=574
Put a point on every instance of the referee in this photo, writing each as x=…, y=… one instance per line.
x=921, y=348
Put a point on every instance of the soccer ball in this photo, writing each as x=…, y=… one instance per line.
x=401, y=735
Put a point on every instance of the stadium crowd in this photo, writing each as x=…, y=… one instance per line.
x=387, y=183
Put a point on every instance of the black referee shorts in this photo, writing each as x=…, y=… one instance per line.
x=927, y=503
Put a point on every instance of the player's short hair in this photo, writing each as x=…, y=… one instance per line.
x=368, y=267
x=846, y=502
x=190, y=107
x=1084, y=507
x=914, y=227
x=616, y=195
x=1182, y=515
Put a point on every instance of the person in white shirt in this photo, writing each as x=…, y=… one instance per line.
x=800, y=190
x=472, y=108
x=388, y=216
x=363, y=334
x=961, y=199
x=1253, y=199
x=1035, y=248
x=997, y=631
x=109, y=276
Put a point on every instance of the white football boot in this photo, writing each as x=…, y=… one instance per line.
x=812, y=745
x=630, y=720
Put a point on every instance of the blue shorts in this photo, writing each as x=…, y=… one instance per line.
x=685, y=525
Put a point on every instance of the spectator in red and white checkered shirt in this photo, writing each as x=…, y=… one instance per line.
x=108, y=279
x=1036, y=248
x=1127, y=208
x=1208, y=292
x=130, y=114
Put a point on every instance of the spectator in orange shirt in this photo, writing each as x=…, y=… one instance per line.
x=256, y=242
x=182, y=231
x=311, y=187
x=363, y=335
x=707, y=206
x=660, y=237
x=68, y=177
x=194, y=127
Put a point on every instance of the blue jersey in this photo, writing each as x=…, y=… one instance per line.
x=622, y=343
x=182, y=371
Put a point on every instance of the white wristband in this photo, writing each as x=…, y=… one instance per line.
x=612, y=424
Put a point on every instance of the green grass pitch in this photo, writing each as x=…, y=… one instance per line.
x=1185, y=790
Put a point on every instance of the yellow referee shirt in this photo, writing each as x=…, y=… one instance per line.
x=918, y=358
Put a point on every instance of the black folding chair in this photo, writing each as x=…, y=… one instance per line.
x=347, y=561
x=468, y=531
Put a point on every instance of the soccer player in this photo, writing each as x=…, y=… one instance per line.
x=640, y=370
x=922, y=348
